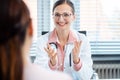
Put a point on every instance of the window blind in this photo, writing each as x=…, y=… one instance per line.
x=43, y=11
x=101, y=20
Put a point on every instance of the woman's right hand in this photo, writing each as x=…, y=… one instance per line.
x=52, y=54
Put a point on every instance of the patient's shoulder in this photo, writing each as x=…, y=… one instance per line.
x=35, y=72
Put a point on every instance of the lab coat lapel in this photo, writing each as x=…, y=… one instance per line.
x=68, y=50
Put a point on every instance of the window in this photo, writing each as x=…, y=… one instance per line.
x=101, y=20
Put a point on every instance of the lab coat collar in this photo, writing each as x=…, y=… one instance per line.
x=54, y=39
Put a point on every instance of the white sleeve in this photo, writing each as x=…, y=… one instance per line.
x=86, y=70
x=41, y=56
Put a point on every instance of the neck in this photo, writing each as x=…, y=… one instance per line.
x=63, y=37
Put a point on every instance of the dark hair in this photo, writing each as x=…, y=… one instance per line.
x=14, y=20
x=59, y=2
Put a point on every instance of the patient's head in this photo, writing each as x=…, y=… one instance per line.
x=14, y=23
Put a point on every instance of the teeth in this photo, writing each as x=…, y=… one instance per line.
x=61, y=24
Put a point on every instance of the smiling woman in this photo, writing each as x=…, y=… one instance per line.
x=72, y=55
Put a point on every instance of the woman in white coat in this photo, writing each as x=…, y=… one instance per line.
x=15, y=41
x=64, y=49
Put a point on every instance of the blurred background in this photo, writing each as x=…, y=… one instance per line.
x=101, y=21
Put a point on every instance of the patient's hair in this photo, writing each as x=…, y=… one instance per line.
x=14, y=20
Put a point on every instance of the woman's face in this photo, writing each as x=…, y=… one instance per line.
x=63, y=17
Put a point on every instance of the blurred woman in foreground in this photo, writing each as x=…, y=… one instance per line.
x=15, y=40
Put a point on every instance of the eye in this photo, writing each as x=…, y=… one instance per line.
x=57, y=15
x=66, y=15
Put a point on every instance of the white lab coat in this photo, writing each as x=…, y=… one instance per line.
x=86, y=70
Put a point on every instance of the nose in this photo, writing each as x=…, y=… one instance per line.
x=61, y=18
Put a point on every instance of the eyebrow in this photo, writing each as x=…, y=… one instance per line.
x=63, y=12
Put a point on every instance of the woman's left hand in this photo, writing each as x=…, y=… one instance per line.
x=76, y=51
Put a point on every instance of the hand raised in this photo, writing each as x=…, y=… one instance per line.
x=51, y=53
x=76, y=51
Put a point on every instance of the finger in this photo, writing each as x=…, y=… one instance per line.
x=80, y=42
x=50, y=52
x=53, y=56
x=47, y=50
x=48, y=45
x=76, y=48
